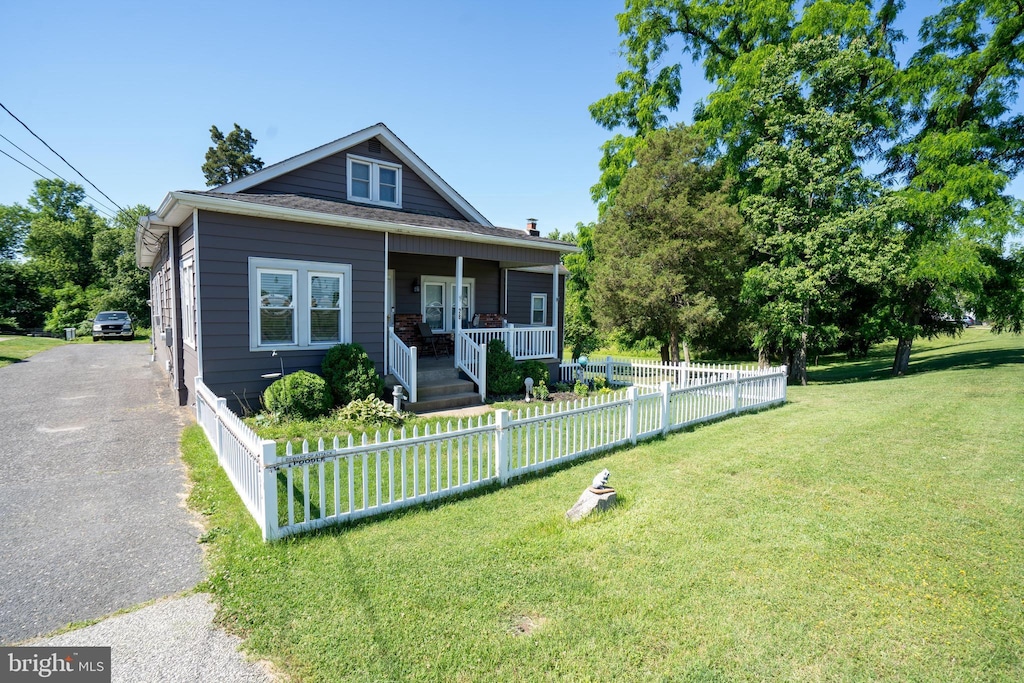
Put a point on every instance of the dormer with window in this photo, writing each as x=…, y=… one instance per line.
x=373, y=181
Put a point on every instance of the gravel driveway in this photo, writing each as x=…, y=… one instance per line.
x=91, y=488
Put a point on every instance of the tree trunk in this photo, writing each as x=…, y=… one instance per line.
x=673, y=345
x=763, y=361
x=798, y=370
x=901, y=363
x=664, y=353
x=686, y=353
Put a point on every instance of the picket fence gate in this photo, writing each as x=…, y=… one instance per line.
x=349, y=479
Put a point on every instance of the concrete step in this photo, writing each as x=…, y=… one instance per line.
x=442, y=387
x=445, y=402
x=425, y=375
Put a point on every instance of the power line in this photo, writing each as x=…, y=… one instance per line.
x=100, y=208
x=98, y=203
x=61, y=157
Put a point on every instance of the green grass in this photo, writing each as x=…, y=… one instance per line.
x=14, y=349
x=867, y=530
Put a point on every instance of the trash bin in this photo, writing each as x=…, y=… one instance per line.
x=69, y=333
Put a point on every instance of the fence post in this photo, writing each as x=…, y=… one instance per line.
x=483, y=372
x=268, y=456
x=736, y=391
x=631, y=408
x=199, y=402
x=222, y=407
x=666, y=407
x=785, y=381
x=503, y=461
x=609, y=371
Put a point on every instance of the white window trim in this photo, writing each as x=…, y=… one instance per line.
x=302, y=271
x=188, y=302
x=375, y=166
x=448, y=283
x=543, y=297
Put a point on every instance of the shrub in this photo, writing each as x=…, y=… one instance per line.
x=541, y=391
x=300, y=394
x=350, y=374
x=370, y=411
x=600, y=382
x=581, y=389
x=503, y=376
x=535, y=369
x=561, y=387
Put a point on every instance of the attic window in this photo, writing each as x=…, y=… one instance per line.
x=374, y=182
x=375, y=146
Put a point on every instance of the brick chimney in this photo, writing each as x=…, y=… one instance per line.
x=531, y=227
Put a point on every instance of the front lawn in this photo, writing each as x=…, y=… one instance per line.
x=867, y=530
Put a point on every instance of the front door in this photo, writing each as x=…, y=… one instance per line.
x=441, y=305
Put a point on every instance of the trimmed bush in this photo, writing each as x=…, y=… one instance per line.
x=535, y=369
x=503, y=376
x=300, y=394
x=541, y=391
x=581, y=389
x=370, y=411
x=350, y=374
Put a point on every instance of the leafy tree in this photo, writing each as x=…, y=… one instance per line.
x=125, y=287
x=14, y=222
x=821, y=227
x=61, y=232
x=669, y=253
x=230, y=157
x=962, y=145
x=581, y=334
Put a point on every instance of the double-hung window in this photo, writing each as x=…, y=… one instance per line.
x=188, y=301
x=298, y=304
x=538, y=309
x=374, y=181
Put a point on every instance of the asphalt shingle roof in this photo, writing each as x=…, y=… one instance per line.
x=373, y=213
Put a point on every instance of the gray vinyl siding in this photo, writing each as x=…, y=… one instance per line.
x=508, y=256
x=327, y=179
x=520, y=288
x=161, y=308
x=409, y=267
x=226, y=242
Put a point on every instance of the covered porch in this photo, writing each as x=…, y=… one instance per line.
x=462, y=302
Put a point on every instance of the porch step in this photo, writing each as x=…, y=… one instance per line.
x=444, y=402
x=434, y=388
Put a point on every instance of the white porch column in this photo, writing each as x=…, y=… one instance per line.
x=458, y=306
x=554, y=307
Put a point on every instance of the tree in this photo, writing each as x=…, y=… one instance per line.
x=670, y=252
x=124, y=287
x=822, y=228
x=230, y=157
x=581, y=334
x=961, y=147
x=60, y=234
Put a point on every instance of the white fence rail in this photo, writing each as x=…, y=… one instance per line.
x=471, y=358
x=308, y=489
x=638, y=372
x=524, y=343
x=402, y=362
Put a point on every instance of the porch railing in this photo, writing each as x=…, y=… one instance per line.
x=523, y=343
x=402, y=363
x=471, y=358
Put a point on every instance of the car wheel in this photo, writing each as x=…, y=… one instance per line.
x=95, y=339
x=130, y=337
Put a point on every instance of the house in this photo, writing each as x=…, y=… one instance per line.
x=358, y=241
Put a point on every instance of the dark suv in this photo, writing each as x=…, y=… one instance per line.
x=113, y=324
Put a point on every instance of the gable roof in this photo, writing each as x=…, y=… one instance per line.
x=388, y=139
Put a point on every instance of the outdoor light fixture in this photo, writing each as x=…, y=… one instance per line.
x=416, y=285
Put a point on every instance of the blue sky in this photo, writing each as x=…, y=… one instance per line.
x=493, y=96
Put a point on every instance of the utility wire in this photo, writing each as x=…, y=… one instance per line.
x=98, y=203
x=100, y=207
x=25, y=126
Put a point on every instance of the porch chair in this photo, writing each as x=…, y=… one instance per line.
x=429, y=338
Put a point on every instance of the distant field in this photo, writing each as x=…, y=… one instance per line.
x=870, y=529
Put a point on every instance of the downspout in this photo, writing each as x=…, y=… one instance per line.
x=196, y=292
x=458, y=306
x=387, y=304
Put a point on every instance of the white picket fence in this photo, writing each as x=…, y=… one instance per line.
x=342, y=481
x=618, y=372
